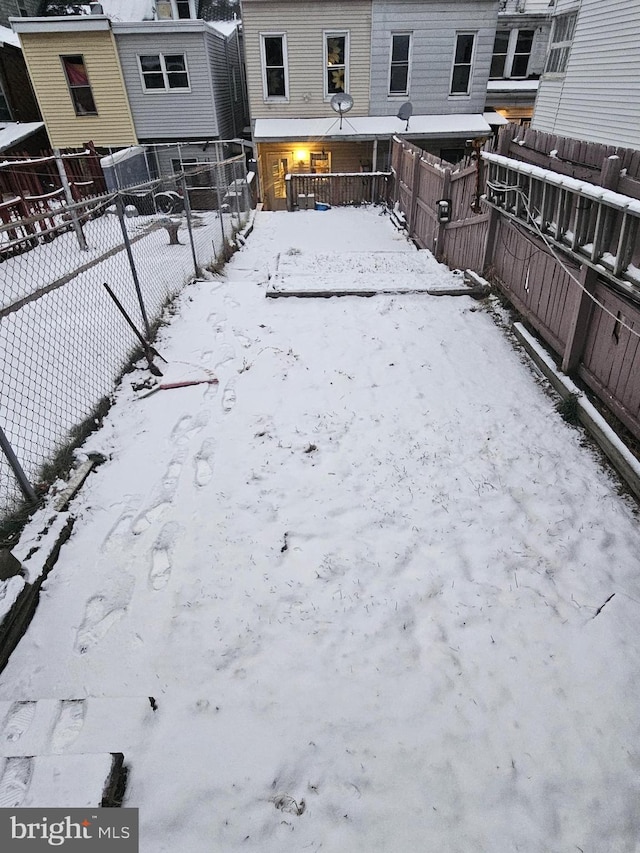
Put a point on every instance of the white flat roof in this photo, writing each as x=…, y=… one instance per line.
x=60, y=23
x=494, y=118
x=512, y=85
x=8, y=36
x=12, y=132
x=370, y=127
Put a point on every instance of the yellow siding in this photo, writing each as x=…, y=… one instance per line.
x=113, y=126
x=304, y=23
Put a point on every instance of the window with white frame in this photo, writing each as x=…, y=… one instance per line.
x=336, y=63
x=462, y=63
x=164, y=72
x=79, y=87
x=560, y=43
x=274, y=66
x=399, y=63
x=511, y=53
x=183, y=9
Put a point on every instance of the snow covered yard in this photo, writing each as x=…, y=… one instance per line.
x=361, y=579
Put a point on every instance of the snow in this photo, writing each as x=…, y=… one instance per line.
x=494, y=118
x=432, y=126
x=129, y=10
x=223, y=28
x=8, y=36
x=12, y=132
x=513, y=86
x=363, y=572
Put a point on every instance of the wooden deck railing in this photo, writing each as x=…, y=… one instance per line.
x=336, y=189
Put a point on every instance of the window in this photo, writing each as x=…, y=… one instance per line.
x=561, y=37
x=500, y=51
x=79, y=87
x=399, y=70
x=274, y=66
x=183, y=8
x=336, y=48
x=511, y=53
x=462, y=63
x=162, y=72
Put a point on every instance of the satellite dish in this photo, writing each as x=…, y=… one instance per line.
x=341, y=103
x=405, y=112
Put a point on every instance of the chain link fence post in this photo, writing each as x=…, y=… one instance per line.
x=187, y=210
x=21, y=477
x=132, y=264
x=220, y=214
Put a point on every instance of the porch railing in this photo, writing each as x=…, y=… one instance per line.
x=336, y=189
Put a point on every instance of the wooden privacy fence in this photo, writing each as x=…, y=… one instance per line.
x=561, y=242
x=337, y=189
x=421, y=181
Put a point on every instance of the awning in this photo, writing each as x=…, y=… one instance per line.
x=12, y=132
x=356, y=128
x=494, y=118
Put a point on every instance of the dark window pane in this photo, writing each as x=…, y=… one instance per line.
x=400, y=51
x=273, y=50
x=399, y=75
x=335, y=51
x=175, y=63
x=150, y=63
x=501, y=43
x=178, y=80
x=154, y=81
x=460, y=82
x=335, y=80
x=183, y=8
x=520, y=65
x=83, y=101
x=497, y=66
x=275, y=82
x=525, y=41
x=464, y=48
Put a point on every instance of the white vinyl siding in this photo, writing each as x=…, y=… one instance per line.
x=598, y=98
x=433, y=26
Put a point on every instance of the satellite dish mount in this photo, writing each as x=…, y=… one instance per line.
x=341, y=103
x=405, y=112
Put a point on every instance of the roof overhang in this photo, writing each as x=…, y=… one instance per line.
x=364, y=128
x=494, y=118
x=13, y=132
x=61, y=23
x=157, y=27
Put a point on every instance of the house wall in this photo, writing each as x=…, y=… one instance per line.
x=113, y=126
x=598, y=97
x=9, y=9
x=541, y=26
x=226, y=63
x=434, y=24
x=304, y=22
x=17, y=86
x=169, y=115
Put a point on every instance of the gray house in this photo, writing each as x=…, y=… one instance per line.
x=185, y=83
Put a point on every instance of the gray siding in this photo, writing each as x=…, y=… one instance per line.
x=170, y=115
x=9, y=9
x=598, y=98
x=224, y=61
x=434, y=24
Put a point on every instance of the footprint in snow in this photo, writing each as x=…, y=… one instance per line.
x=69, y=724
x=229, y=396
x=18, y=720
x=101, y=612
x=161, y=556
x=15, y=782
x=203, y=462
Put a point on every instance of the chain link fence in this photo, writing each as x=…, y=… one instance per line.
x=63, y=342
